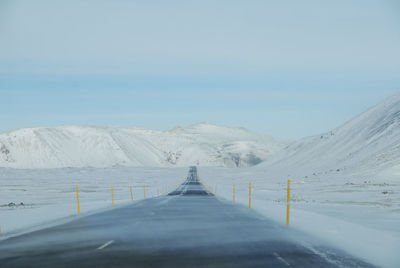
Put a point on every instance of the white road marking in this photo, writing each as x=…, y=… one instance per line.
x=281, y=259
x=106, y=244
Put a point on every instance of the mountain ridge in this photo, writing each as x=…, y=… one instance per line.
x=370, y=140
x=104, y=146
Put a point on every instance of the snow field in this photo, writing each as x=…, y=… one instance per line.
x=339, y=209
x=343, y=212
x=49, y=195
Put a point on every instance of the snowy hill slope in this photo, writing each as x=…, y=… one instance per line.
x=371, y=141
x=79, y=146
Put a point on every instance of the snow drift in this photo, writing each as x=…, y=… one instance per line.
x=83, y=146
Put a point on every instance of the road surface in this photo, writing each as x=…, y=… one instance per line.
x=187, y=228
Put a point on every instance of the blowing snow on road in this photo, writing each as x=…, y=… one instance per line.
x=188, y=227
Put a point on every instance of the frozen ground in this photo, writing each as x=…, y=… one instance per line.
x=354, y=212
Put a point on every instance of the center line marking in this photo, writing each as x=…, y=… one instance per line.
x=281, y=259
x=106, y=244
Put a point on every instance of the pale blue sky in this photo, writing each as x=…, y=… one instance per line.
x=285, y=68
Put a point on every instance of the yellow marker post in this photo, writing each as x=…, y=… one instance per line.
x=112, y=195
x=77, y=199
x=233, y=192
x=288, y=203
x=144, y=191
x=249, y=195
x=131, y=194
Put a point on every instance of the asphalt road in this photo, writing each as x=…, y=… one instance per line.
x=187, y=228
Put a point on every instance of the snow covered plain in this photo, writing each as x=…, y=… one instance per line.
x=354, y=212
x=49, y=196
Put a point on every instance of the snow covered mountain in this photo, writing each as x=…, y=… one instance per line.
x=81, y=146
x=371, y=141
